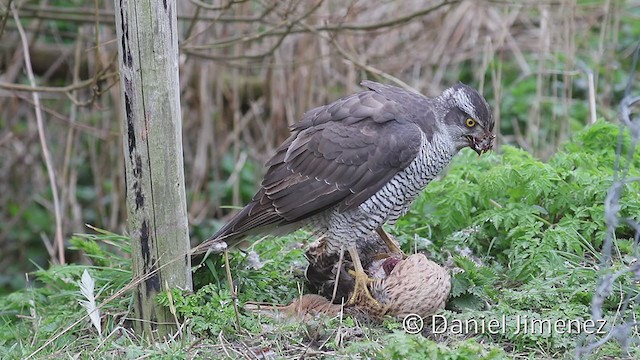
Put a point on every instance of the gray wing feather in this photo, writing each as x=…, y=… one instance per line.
x=344, y=153
x=339, y=155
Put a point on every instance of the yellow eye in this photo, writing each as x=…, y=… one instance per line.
x=470, y=122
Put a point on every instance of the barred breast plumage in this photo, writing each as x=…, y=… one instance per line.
x=358, y=163
x=390, y=202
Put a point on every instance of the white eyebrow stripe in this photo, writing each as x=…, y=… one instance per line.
x=464, y=102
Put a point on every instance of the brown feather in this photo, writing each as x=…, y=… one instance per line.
x=340, y=155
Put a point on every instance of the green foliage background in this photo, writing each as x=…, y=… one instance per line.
x=523, y=230
x=524, y=237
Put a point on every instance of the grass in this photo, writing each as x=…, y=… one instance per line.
x=525, y=239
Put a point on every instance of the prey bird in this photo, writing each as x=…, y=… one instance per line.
x=398, y=286
x=412, y=286
x=358, y=163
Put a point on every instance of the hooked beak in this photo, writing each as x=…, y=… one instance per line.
x=483, y=144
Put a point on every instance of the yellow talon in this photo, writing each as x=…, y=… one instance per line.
x=361, y=293
x=391, y=243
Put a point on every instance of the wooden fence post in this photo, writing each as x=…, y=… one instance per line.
x=152, y=138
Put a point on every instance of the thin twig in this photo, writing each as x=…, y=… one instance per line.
x=43, y=140
x=216, y=7
x=60, y=118
x=224, y=348
x=287, y=24
x=67, y=188
x=592, y=90
x=87, y=15
x=173, y=311
x=3, y=23
x=234, y=296
x=331, y=28
x=352, y=58
x=56, y=89
x=337, y=279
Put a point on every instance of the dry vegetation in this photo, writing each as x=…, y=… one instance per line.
x=249, y=69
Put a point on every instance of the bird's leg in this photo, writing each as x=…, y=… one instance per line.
x=391, y=243
x=362, y=281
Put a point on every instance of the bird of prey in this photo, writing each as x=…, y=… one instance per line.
x=355, y=164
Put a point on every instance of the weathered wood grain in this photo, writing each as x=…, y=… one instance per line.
x=151, y=129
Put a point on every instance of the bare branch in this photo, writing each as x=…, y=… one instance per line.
x=57, y=89
x=3, y=23
x=217, y=8
x=59, y=240
x=359, y=63
x=390, y=23
x=327, y=28
x=289, y=26
x=88, y=15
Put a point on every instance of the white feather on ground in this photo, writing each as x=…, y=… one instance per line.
x=87, y=285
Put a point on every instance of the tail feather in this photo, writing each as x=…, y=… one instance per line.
x=252, y=219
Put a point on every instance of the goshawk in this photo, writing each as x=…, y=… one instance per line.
x=358, y=163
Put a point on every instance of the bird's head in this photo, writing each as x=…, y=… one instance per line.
x=467, y=118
